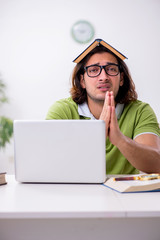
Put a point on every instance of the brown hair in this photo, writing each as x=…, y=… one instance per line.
x=126, y=92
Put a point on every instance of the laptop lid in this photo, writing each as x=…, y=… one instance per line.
x=60, y=151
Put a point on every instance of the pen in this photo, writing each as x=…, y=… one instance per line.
x=126, y=178
x=142, y=177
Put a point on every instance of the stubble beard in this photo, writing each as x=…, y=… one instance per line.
x=97, y=100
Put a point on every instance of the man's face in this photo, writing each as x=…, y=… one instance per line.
x=97, y=87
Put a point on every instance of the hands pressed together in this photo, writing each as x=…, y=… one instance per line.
x=108, y=114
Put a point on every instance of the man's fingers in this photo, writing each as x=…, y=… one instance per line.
x=105, y=114
x=106, y=111
x=112, y=100
x=107, y=100
x=113, y=114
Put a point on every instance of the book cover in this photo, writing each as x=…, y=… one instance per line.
x=96, y=43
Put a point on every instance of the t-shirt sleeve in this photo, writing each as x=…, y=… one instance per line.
x=146, y=121
x=59, y=110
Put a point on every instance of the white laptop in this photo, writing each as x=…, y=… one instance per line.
x=60, y=151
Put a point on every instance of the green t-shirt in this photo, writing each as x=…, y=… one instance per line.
x=137, y=118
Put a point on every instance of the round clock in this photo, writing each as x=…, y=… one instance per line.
x=82, y=31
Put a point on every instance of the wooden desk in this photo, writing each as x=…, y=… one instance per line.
x=76, y=211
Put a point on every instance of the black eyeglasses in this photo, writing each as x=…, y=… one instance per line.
x=95, y=70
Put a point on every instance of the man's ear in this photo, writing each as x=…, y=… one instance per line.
x=82, y=82
x=121, y=79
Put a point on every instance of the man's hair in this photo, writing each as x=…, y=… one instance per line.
x=126, y=92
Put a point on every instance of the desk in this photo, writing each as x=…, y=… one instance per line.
x=76, y=211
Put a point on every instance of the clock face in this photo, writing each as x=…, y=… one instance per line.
x=82, y=31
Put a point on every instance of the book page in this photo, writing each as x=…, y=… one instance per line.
x=142, y=183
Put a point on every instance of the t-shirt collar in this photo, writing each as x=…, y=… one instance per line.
x=83, y=110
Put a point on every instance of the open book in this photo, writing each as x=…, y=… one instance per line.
x=135, y=185
x=96, y=43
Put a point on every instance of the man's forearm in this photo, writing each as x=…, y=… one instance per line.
x=143, y=157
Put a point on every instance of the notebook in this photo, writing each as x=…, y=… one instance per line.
x=60, y=151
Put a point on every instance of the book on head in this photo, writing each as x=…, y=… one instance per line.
x=96, y=43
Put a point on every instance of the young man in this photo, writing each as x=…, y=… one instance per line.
x=102, y=88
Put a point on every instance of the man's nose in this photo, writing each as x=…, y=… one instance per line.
x=103, y=74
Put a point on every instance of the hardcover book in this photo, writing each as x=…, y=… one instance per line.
x=96, y=43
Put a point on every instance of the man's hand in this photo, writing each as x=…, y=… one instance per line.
x=115, y=135
x=109, y=116
x=106, y=111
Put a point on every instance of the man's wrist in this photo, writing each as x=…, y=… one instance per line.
x=121, y=141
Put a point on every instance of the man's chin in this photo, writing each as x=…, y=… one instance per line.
x=98, y=99
x=101, y=97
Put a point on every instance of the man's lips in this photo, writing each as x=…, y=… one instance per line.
x=104, y=87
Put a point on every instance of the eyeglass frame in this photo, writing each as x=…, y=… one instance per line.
x=102, y=67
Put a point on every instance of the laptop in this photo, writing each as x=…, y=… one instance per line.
x=60, y=151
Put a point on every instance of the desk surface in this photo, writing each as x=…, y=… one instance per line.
x=73, y=201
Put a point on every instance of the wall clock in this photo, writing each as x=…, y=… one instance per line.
x=82, y=31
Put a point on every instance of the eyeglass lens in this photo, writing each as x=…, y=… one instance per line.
x=95, y=70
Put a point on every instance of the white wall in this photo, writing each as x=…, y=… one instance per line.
x=36, y=51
